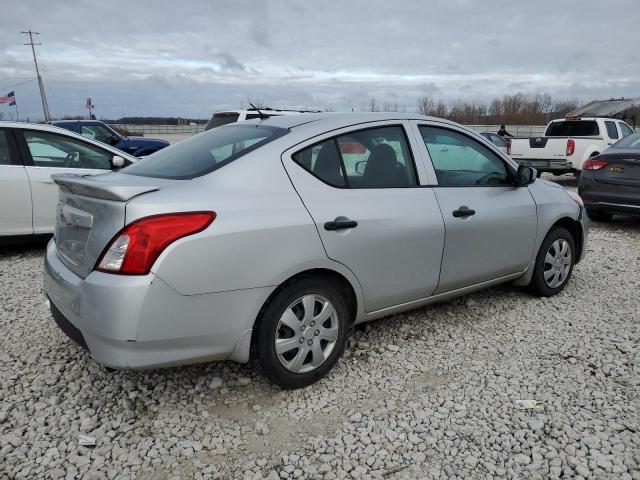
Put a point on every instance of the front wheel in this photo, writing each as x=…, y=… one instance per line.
x=302, y=332
x=554, y=263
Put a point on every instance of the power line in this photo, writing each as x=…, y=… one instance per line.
x=43, y=97
x=20, y=83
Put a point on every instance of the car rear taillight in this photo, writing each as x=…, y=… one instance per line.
x=509, y=147
x=134, y=250
x=571, y=147
x=594, y=164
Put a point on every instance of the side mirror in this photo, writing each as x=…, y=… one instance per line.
x=525, y=176
x=112, y=140
x=360, y=167
x=117, y=162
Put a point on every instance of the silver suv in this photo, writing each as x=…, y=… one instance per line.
x=270, y=239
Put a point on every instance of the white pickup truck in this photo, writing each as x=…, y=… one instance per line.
x=567, y=143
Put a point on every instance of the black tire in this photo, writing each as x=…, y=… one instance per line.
x=599, y=215
x=268, y=330
x=539, y=285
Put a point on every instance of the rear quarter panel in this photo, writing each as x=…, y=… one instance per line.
x=261, y=236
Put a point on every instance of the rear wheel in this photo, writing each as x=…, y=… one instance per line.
x=302, y=332
x=554, y=263
x=599, y=216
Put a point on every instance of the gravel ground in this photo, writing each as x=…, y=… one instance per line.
x=432, y=393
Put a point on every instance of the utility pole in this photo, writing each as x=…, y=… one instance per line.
x=43, y=96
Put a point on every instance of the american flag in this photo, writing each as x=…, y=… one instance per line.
x=9, y=98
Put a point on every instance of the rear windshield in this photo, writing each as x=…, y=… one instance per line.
x=205, y=152
x=632, y=141
x=220, y=119
x=573, y=128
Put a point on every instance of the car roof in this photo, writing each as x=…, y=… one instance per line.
x=63, y=131
x=337, y=120
x=266, y=111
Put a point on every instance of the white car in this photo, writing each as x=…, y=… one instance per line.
x=230, y=116
x=567, y=143
x=29, y=155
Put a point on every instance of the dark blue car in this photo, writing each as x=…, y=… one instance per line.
x=96, y=130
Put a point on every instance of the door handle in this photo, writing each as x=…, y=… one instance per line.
x=46, y=180
x=340, y=224
x=463, y=212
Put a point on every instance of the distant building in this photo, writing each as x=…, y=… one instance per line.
x=627, y=109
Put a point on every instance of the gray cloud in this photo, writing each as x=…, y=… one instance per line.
x=192, y=58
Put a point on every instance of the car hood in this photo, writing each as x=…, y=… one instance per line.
x=148, y=141
x=549, y=183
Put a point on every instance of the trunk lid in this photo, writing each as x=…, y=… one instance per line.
x=623, y=168
x=90, y=211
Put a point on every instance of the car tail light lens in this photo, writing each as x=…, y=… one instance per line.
x=594, y=164
x=509, y=147
x=135, y=249
x=571, y=147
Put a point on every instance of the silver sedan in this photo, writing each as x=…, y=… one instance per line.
x=271, y=238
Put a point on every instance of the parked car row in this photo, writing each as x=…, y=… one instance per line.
x=270, y=238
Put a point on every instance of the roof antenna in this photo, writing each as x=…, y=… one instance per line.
x=261, y=115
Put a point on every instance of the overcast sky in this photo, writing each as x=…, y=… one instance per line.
x=190, y=58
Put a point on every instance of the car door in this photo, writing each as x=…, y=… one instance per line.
x=15, y=194
x=490, y=224
x=361, y=188
x=48, y=153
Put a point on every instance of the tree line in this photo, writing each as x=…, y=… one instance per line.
x=517, y=109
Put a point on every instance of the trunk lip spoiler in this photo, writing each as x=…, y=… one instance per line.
x=86, y=186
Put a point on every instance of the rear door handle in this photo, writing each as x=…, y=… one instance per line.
x=340, y=223
x=46, y=180
x=463, y=212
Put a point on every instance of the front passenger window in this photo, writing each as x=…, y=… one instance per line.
x=53, y=150
x=461, y=161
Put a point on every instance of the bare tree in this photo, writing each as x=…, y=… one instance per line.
x=372, y=105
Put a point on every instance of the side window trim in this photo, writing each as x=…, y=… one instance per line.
x=23, y=148
x=15, y=157
x=341, y=133
x=507, y=166
x=341, y=160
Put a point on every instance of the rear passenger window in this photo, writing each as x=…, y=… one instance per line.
x=372, y=158
x=5, y=154
x=378, y=157
x=323, y=161
x=612, y=131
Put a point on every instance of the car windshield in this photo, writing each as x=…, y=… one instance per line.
x=220, y=119
x=205, y=152
x=632, y=141
x=573, y=128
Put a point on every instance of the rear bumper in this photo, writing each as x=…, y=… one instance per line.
x=545, y=165
x=141, y=322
